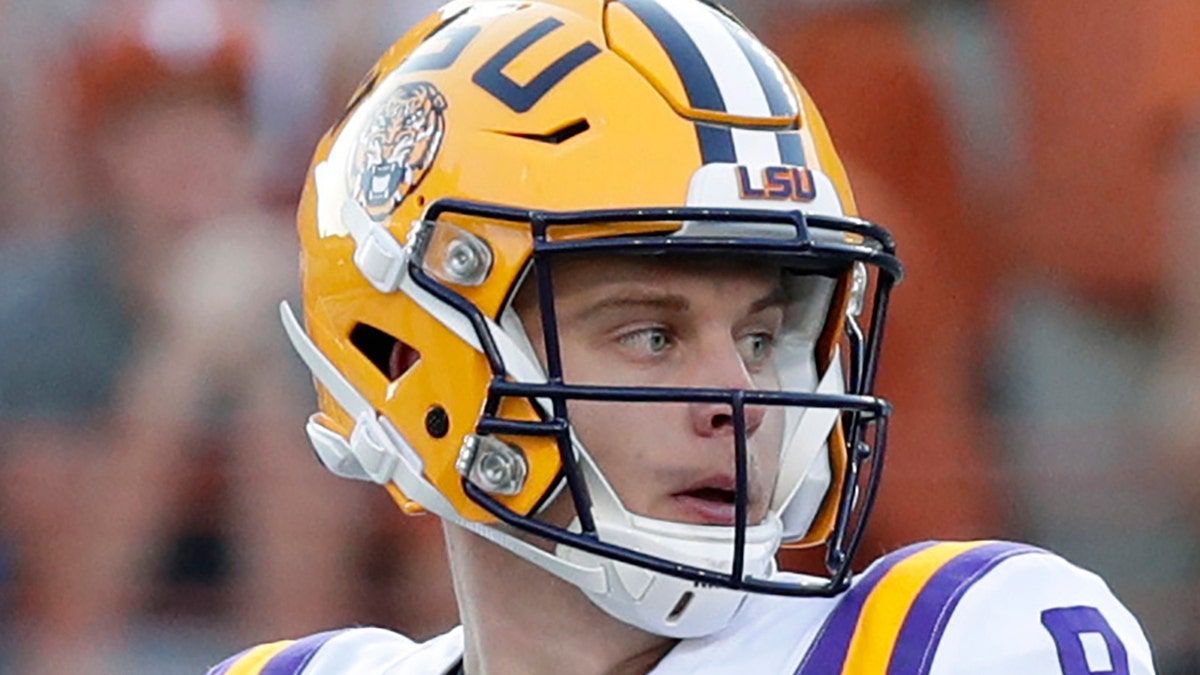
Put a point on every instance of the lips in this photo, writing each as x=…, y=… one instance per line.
x=712, y=495
x=710, y=502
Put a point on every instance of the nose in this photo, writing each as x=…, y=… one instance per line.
x=711, y=420
x=716, y=419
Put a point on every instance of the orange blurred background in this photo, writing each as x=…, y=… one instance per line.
x=1038, y=161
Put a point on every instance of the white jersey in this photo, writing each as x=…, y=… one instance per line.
x=937, y=608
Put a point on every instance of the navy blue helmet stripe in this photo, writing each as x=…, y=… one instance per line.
x=698, y=79
x=522, y=97
x=716, y=142
x=791, y=148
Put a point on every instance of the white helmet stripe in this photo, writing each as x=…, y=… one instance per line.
x=735, y=76
x=739, y=85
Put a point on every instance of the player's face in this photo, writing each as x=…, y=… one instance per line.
x=640, y=321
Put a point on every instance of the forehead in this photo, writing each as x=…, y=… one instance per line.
x=590, y=275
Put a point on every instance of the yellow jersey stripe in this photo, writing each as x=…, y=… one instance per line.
x=892, y=619
x=884, y=611
x=930, y=612
x=253, y=662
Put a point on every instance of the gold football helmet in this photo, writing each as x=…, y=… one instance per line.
x=499, y=135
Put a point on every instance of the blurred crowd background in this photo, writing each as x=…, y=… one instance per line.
x=1038, y=160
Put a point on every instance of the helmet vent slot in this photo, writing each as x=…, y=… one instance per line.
x=392, y=357
x=680, y=607
x=556, y=137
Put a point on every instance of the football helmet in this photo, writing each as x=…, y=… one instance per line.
x=496, y=137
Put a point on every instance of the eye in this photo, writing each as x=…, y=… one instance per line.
x=756, y=348
x=653, y=340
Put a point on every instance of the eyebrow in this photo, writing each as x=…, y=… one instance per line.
x=776, y=298
x=664, y=301
x=671, y=302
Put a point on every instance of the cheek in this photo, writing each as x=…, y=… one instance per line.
x=768, y=379
x=767, y=443
x=610, y=431
x=627, y=441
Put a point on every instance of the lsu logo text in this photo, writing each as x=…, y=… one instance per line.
x=792, y=183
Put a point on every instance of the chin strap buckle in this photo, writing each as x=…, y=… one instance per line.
x=368, y=456
x=377, y=254
x=369, y=445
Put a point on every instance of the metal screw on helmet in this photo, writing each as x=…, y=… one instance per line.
x=495, y=466
x=858, y=290
x=467, y=260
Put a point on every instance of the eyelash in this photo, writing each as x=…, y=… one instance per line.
x=646, y=333
x=630, y=337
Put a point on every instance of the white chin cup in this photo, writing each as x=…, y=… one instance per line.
x=802, y=509
x=667, y=605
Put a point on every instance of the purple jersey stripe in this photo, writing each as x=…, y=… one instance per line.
x=224, y=666
x=827, y=656
x=931, y=610
x=292, y=660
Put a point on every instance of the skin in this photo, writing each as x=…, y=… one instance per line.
x=641, y=322
x=632, y=321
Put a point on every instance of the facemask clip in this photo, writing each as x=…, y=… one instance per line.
x=497, y=467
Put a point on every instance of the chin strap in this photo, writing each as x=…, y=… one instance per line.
x=661, y=603
x=801, y=473
x=368, y=455
x=377, y=254
x=378, y=452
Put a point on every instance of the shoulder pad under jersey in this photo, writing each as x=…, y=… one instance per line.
x=983, y=608
x=369, y=651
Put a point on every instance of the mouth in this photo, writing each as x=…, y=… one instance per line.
x=709, y=503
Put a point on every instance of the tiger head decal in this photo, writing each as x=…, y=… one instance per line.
x=398, y=147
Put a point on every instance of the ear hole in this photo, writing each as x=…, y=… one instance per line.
x=392, y=357
x=402, y=359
